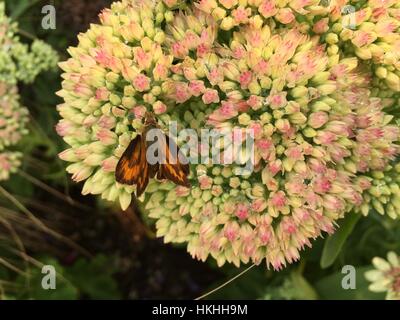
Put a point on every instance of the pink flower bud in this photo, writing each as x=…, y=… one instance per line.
x=288, y=226
x=179, y=50
x=215, y=76
x=255, y=102
x=159, y=107
x=64, y=128
x=321, y=26
x=285, y=16
x=182, y=93
x=318, y=119
x=245, y=79
x=160, y=72
x=241, y=15
x=196, y=87
x=83, y=90
x=321, y=185
x=216, y=191
x=181, y=191
x=363, y=183
x=202, y=50
x=231, y=230
x=102, y=94
x=68, y=155
x=257, y=129
x=268, y=9
x=277, y=100
x=208, y=209
x=325, y=137
x=142, y=58
x=210, y=96
x=106, y=122
x=278, y=199
x=109, y=164
x=106, y=136
x=206, y=5
x=205, y=182
x=258, y=205
x=242, y=211
x=275, y=166
x=264, y=144
x=333, y=203
x=228, y=4
x=294, y=153
x=141, y=83
x=295, y=187
x=239, y=52
x=316, y=165
x=139, y=111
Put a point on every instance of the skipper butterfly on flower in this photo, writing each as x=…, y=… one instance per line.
x=134, y=167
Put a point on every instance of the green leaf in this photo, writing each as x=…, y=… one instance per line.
x=303, y=287
x=18, y=8
x=94, y=277
x=335, y=242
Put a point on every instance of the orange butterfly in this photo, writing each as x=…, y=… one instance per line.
x=134, y=169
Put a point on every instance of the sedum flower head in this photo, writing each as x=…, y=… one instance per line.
x=9, y=163
x=314, y=131
x=386, y=276
x=317, y=128
x=13, y=117
x=111, y=79
x=18, y=62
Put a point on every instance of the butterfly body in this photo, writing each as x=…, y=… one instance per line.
x=134, y=168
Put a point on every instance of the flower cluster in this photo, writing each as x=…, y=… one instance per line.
x=113, y=77
x=9, y=163
x=13, y=119
x=368, y=29
x=383, y=192
x=18, y=62
x=386, y=276
x=319, y=132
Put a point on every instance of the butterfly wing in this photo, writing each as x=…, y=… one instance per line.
x=133, y=168
x=173, y=169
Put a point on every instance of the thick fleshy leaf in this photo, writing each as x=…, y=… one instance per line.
x=335, y=242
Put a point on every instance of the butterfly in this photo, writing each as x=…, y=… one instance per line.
x=134, y=168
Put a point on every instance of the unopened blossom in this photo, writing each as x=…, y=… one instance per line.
x=382, y=192
x=386, y=276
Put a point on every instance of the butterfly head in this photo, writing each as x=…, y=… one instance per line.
x=150, y=120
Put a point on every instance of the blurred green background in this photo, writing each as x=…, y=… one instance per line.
x=100, y=252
